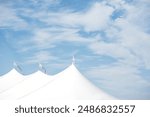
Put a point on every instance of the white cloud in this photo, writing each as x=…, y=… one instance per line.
x=130, y=41
x=49, y=36
x=65, y=24
x=40, y=57
x=121, y=80
x=69, y=23
x=46, y=38
x=135, y=40
x=9, y=18
x=117, y=4
x=95, y=18
x=138, y=14
x=130, y=45
x=117, y=51
x=44, y=1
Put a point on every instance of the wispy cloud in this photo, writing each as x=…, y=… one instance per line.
x=40, y=57
x=123, y=81
x=95, y=18
x=130, y=46
x=9, y=18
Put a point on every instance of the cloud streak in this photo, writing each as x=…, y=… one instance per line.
x=9, y=19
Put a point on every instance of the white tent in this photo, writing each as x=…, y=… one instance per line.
x=30, y=84
x=69, y=84
x=10, y=80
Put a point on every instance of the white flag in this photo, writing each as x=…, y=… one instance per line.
x=42, y=68
x=17, y=66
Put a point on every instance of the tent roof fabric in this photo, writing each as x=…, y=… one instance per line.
x=68, y=84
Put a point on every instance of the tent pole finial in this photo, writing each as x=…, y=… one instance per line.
x=73, y=59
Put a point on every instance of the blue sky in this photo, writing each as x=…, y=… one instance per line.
x=110, y=40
